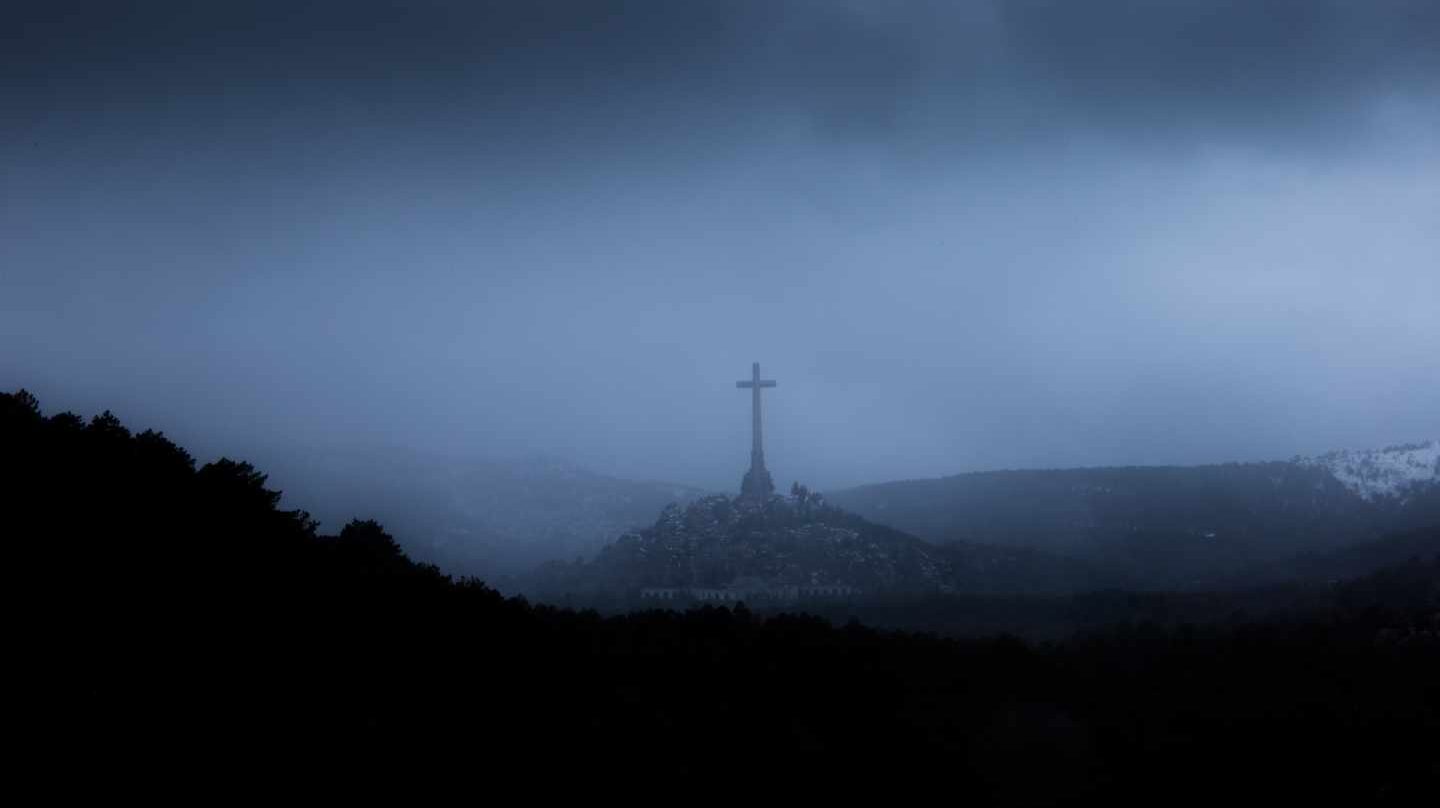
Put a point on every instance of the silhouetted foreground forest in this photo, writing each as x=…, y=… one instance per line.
x=200, y=631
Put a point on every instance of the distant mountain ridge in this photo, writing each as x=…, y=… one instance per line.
x=1394, y=471
x=1167, y=525
x=1038, y=531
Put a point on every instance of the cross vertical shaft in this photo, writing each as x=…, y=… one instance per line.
x=757, y=444
x=757, y=482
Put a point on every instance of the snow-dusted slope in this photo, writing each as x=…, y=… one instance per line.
x=1388, y=472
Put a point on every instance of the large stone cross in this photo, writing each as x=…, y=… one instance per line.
x=757, y=482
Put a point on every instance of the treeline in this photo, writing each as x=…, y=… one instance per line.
x=186, y=625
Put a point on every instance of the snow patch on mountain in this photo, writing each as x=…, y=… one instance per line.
x=1389, y=472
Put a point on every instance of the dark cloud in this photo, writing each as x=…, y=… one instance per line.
x=963, y=235
x=925, y=70
x=1228, y=63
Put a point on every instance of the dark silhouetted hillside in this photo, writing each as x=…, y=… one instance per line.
x=191, y=637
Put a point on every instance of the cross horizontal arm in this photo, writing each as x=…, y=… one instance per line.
x=763, y=383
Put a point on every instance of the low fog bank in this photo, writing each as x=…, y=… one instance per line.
x=489, y=517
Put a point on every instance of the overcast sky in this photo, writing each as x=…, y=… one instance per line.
x=961, y=236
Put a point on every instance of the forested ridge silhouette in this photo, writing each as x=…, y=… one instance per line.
x=189, y=625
